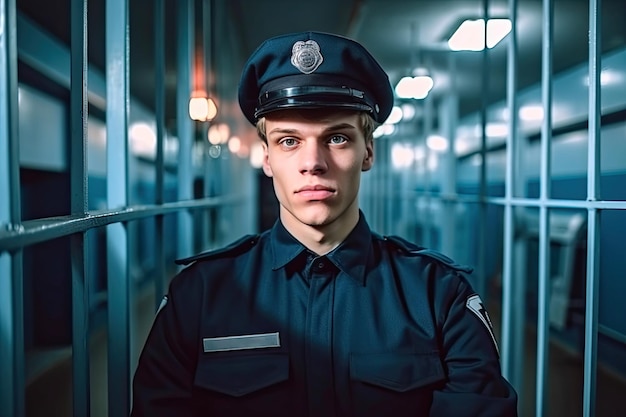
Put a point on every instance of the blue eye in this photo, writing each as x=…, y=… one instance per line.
x=288, y=142
x=338, y=139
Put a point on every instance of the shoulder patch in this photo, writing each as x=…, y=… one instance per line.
x=236, y=248
x=162, y=305
x=413, y=249
x=476, y=306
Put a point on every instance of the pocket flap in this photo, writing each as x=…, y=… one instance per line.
x=398, y=372
x=241, y=374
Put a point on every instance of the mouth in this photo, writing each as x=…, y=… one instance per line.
x=315, y=192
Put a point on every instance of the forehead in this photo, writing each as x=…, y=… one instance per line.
x=320, y=117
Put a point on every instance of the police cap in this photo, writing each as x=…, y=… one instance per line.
x=313, y=70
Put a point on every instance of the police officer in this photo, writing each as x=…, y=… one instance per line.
x=320, y=316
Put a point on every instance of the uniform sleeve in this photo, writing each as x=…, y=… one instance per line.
x=475, y=385
x=163, y=382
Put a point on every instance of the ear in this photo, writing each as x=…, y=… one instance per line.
x=368, y=160
x=267, y=169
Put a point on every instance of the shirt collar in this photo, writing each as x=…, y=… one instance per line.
x=351, y=256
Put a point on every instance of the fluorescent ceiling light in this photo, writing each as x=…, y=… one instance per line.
x=414, y=87
x=470, y=36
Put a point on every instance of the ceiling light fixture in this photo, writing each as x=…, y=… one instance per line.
x=470, y=36
x=417, y=87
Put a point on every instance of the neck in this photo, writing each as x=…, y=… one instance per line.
x=323, y=238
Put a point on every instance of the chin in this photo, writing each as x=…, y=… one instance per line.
x=316, y=217
x=316, y=221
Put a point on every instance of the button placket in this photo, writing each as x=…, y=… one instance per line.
x=319, y=337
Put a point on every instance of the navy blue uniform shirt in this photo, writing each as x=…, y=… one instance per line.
x=376, y=327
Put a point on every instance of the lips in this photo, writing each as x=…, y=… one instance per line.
x=315, y=192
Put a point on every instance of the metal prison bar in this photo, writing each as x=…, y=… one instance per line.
x=512, y=357
x=17, y=234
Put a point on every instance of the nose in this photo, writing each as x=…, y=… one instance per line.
x=313, y=158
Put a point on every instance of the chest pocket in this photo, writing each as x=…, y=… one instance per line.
x=394, y=384
x=241, y=375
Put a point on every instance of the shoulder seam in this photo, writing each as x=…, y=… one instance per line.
x=412, y=249
x=236, y=248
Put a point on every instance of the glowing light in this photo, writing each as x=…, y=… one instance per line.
x=607, y=77
x=408, y=111
x=497, y=130
x=433, y=162
x=244, y=151
x=384, y=130
x=395, y=116
x=224, y=130
x=531, y=113
x=202, y=108
x=470, y=36
x=234, y=144
x=461, y=146
x=218, y=134
x=414, y=87
x=198, y=108
x=494, y=130
x=437, y=143
x=212, y=109
x=142, y=139
x=257, y=155
x=419, y=153
x=401, y=156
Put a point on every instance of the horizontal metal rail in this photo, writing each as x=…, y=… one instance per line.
x=517, y=201
x=14, y=237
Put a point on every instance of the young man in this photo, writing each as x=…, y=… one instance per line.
x=320, y=316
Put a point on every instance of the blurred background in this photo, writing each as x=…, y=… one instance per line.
x=123, y=148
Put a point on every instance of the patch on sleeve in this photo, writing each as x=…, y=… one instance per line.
x=163, y=304
x=476, y=306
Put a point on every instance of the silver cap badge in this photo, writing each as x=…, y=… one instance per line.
x=306, y=56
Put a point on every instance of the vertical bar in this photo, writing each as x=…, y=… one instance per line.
x=184, y=123
x=482, y=205
x=78, y=187
x=381, y=185
x=593, y=194
x=508, y=340
x=543, y=319
x=159, y=100
x=117, y=58
x=210, y=164
x=427, y=216
x=11, y=277
x=518, y=283
x=383, y=189
x=449, y=112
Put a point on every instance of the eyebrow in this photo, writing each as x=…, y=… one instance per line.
x=332, y=128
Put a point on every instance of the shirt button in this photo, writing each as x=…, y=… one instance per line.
x=320, y=265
